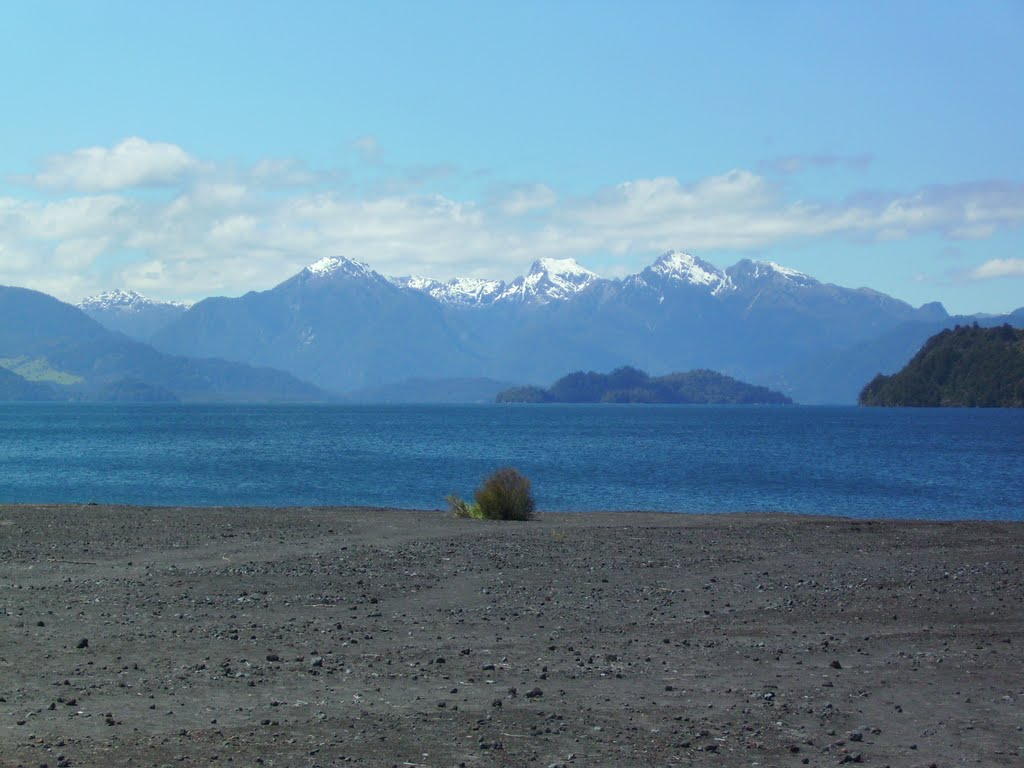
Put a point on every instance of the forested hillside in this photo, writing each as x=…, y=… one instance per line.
x=966, y=366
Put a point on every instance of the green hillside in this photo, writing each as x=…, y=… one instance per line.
x=15, y=388
x=38, y=369
x=964, y=367
x=68, y=355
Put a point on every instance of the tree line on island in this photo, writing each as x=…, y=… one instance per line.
x=631, y=385
x=967, y=366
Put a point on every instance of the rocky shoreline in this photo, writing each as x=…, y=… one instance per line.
x=322, y=637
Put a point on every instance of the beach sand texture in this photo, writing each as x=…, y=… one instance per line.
x=322, y=637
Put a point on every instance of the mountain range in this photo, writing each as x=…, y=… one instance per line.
x=50, y=350
x=343, y=327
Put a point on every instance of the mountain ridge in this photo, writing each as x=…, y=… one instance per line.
x=344, y=326
x=131, y=313
x=77, y=358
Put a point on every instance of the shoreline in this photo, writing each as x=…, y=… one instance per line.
x=608, y=514
x=318, y=636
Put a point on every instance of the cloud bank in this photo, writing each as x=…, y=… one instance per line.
x=152, y=217
x=134, y=162
x=996, y=268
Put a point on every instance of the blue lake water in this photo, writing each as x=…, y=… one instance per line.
x=906, y=463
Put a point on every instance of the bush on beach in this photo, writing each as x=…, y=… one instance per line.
x=505, y=495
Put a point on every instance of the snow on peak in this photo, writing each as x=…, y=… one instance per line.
x=332, y=265
x=562, y=268
x=770, y=270
x=680, y=267
x=550, y=280
x=459, y=291
x=417, y=283
x=125, y=301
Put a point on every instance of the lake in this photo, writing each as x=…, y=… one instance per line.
x=900, y=463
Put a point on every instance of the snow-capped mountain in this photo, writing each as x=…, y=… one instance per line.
x=458, y=292
x=553, y=280
x=125, y=301
x=749, y=272
x=335, y=266
x=342, y=325
x=132, y=313
x=675, y=269
x=334, y=269
x=549, y=280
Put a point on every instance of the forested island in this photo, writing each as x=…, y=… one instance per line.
x=630, y=385
x=967, y=366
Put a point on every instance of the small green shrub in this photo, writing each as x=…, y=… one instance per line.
x=505, y=495
x=461, y=508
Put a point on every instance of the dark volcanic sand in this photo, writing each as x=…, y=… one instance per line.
x=318, y=637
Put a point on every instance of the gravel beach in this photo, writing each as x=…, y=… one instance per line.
x=322, y=637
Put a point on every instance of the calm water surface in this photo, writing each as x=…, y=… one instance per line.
x=944, y=464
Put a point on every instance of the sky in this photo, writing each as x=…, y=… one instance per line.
x=191, y=149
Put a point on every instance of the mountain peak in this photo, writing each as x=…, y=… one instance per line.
x=760, y=271
x=338, y=265
x=550, y=280
x=677, y=267
x=561, y=267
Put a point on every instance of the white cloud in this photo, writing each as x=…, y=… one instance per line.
x=224, y=230
x=995, y=268
x=62, y=219
x=741, y=210
x=133, y=162
x=522, y=200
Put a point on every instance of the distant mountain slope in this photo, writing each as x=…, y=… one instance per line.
x=629, y=385
x=85, y=360
x=15, y=388
x=967, y=366
x=336, y=323
x=131, y=313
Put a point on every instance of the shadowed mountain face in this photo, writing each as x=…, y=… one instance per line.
x=343, y=326
x=55, y=345
x=337, y=324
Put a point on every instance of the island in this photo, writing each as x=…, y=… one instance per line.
x=631, y=385
x=967, y=366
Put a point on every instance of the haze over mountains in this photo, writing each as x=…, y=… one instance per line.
x=53, y=351
x=343, y=326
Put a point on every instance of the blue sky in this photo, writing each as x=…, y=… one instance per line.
x=191, y=149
